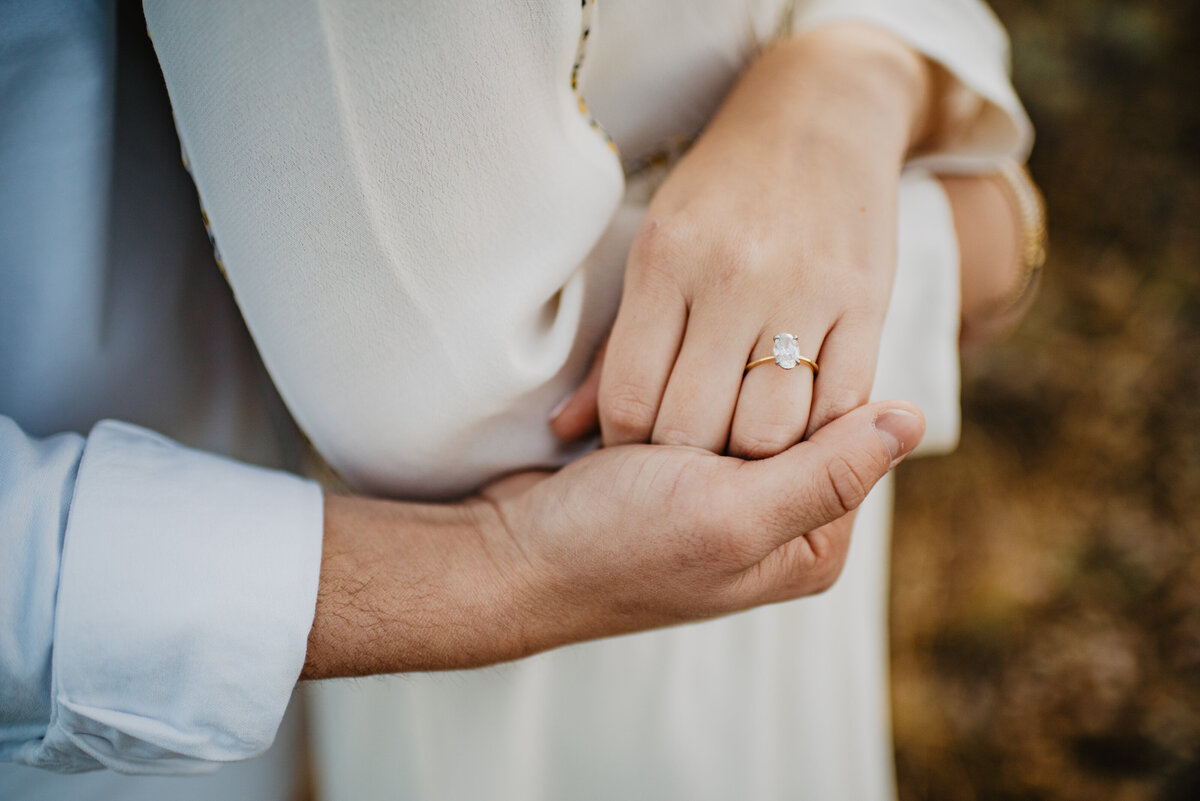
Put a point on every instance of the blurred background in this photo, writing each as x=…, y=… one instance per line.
x=1046, y=585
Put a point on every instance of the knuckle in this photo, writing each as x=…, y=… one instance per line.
x=627, y=411
x=665, y=243
x=766, y=438
x=836, y=401
x=660, y=242
x=677, y=434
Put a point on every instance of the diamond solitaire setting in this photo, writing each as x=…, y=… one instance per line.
x=787, y=351
x=786, y=354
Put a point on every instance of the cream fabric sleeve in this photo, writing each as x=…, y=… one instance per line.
x=918, y=349
x=963, y=36
x=406, y=198
x=424, y=231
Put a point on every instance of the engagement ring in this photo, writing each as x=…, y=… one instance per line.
x=786, y=355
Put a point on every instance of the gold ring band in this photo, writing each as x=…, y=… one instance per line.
x=799, y=360
x=785, y=353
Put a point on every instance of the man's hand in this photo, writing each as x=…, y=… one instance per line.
x=624, y=539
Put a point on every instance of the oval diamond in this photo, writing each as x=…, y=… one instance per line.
x=787, y=351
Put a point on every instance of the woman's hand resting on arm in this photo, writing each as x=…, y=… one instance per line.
x=624, y=539
x=781, y=218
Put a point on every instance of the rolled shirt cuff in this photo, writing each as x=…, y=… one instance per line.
x=186, y=593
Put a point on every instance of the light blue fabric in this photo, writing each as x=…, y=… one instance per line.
x=182, y=608
x=155, y=600
x=57, y=69
x=37, y=479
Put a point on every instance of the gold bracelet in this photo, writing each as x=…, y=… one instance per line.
x=1031, y=208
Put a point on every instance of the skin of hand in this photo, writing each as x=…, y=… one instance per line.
x=781, y=218
x=624, y=539
x=988, y=230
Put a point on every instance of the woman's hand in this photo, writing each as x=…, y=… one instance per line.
x=782, y=218
x=622, y=540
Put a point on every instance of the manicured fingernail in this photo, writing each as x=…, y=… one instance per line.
x=900, y=432
x=562, y=404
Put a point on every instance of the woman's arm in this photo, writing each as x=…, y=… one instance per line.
x=999, y=274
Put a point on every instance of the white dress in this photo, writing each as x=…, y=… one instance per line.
x=426, y=232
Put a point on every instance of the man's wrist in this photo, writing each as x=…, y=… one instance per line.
x=413, y=587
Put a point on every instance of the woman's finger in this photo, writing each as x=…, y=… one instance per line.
x=703, y=389
x=642, y=348
x=577, y=416
x=773, y=407
x=848, y=359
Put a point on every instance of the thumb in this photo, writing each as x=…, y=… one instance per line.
x=824, y=478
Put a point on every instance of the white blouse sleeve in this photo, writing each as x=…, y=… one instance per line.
x=403, y=195
x=918, y=349
x=417, y=215
x=965, y=38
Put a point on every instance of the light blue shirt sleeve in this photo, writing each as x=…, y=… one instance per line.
x=156, y=601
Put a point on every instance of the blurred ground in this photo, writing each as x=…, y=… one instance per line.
x=1046, y=585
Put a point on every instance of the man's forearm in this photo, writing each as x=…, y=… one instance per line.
x=408, y=586
x=621, y=540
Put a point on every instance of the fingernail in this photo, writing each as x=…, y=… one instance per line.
x=900, y=432
x=562, y=404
